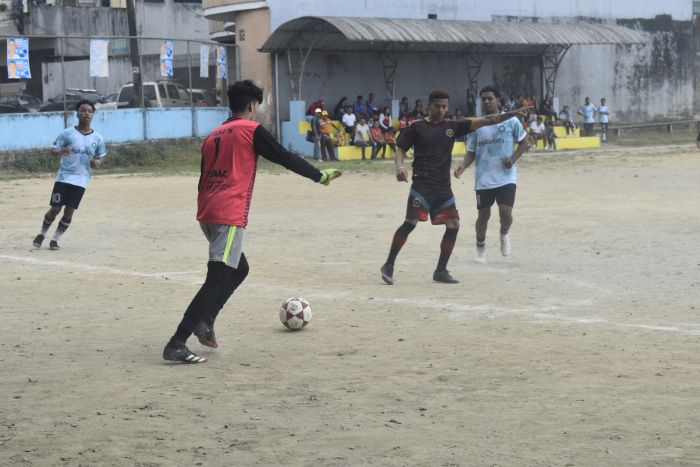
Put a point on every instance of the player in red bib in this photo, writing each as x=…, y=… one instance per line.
x=229, y=163
x=432, y=139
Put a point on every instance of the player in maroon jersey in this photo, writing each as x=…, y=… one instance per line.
x=432, y=139
x=229, y=163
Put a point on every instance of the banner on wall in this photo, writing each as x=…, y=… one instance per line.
x=99, y=58
x=166, y=58
x=221, y=62
x=18, y=58
x=204, y=61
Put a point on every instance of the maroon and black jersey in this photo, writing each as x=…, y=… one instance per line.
x=432, y=148
x=229, y=163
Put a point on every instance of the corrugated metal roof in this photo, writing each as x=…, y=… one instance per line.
x=430, y=35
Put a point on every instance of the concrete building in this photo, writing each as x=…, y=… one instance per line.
x=644, y=82
x=177, y=20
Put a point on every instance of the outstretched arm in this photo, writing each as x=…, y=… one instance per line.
x=268, y=147
x=498, y=118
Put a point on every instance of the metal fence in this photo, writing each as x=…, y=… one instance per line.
x=114, y=73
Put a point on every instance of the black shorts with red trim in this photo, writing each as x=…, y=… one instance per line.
x=438, y=202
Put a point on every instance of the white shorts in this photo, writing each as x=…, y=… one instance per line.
x=225, y=243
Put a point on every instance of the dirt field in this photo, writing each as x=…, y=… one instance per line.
x=580, y=349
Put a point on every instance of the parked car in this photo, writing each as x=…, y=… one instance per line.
x=203, y=98
x=110, y=102
x=155, y=94
x=72, y=97
x=23, y=102
x=9, y=109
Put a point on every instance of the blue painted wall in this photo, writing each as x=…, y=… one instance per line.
x=39, y=130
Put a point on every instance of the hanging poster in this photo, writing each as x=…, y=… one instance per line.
x=204, y=61
x=166, y=58
x=99, y=63
x=221, y=62
x=18, y=58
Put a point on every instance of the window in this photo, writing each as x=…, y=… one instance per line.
x=182, y=93
x=126, y=94
x=161, y=91
x=149, y=92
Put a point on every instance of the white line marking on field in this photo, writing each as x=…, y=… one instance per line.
x=90, y=268
x=452, y=310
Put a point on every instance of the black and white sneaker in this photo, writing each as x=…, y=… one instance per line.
x=53, y=245
x=178, y=352
x=38, y=240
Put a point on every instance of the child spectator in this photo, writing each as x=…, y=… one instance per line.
x=567, y=120
x=378, y=142
x=362, y=136
x=550, y=137
x=349, y=120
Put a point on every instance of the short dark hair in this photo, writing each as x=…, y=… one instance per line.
x=493, y=89
x=242, y=93
x=82, y=102
x=438, y=94
x=359, y=97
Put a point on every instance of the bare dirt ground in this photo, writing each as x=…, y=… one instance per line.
x=579, y=349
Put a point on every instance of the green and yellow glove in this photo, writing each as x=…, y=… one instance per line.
x=329, y=174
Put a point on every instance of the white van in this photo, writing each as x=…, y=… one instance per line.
x=155, y=94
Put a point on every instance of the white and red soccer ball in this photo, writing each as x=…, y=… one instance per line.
x=295, y=313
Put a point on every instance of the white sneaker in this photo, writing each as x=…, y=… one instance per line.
x=505, y=245
x=480, y=255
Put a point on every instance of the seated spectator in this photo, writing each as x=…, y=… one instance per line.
x=403, y=121
x=339, y=109
x=458, y=115
x=390, y=139
x=546, y=108
x=567, y=120
x=378, y=142
x=417, y=113
x=371, y=106
x=327, y=134
x=509, y=103
x=359, y=108
x=349, y=120
x=403, y=107
x=536, y=131
x=362, y=136
x=319, y=104
x=385, y=119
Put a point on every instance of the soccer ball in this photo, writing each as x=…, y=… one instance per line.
x=295, y=313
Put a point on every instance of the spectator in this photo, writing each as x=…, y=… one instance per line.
x=530, y=101
x=371, y=106
x=567, y=120
x=403, y=107
x=550, y=137
x=418, y=112
x=316, y=133
x=509, y=103
x=536, y=130
x=587, y=111
x=327, y=134
x=359, y=108
x=349, y=120
x=471, y=103
x=603, y=114
x=339, y=109
x=390, y=139
x=378, y=142
x=362, y=136
x=385, y=119
x=547, y=109
x=319, y=104
x=458, y=115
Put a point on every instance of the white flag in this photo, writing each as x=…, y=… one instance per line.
x=204, y=61
x=99, y=63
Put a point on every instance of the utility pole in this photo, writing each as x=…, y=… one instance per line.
x=134, y=50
